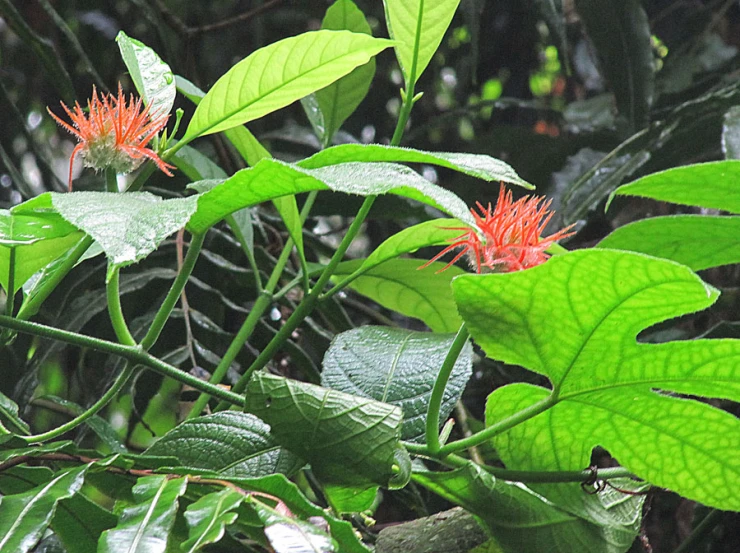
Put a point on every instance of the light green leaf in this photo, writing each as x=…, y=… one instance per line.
x=476, y=165
x=697, y=241
x=25, y=517
x=127, y=226
x=145, y=526
x=396, y=366
x=232, y=443
x=399, y=285
x=712, y=185
x=575, y=319
x=347, y=439
x=271, y=179
x=521, y=520
x=208, y=517
x=290, y=535
x=418, y=27
x=31, y=241
x=279, y=74
x=329, y=107
x=731, y=133
x=152, y=77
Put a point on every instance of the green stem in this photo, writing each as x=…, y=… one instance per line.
x=111, y=180
x=499, y=427
x=134, y=354
x=10, y=295
x=308, y=303
x=115, y=312
x=31, y=307
x=160, y=319
x=435, y=400
x=701, y=532
x=120, y=381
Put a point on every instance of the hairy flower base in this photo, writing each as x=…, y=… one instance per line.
x=511, y=235
x=113, y=134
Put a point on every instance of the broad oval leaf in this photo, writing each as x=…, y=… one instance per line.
x=152, y=77
x=521, y=520
x=399, y=285
x=347, y=439
x=24, y=517
x=146, y=525
x=329, y=107
x=476, y=165
x=208, y=517
x=127, y=226
x=232, y=443
x=270, y=179
x=697, y=241
x=290, y=535
x=396, y=366
x=575, y=319
x=280, y=74
x=712, y=185
x=418, y=26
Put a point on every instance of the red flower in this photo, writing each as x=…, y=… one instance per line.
x=114, y=133
x=511, y=234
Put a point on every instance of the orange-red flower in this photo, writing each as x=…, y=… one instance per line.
x=114, y=133
x=511, y=234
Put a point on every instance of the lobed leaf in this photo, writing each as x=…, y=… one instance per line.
x=278, y=75
x=231, y=443
x=575, y=319
x=398, y=367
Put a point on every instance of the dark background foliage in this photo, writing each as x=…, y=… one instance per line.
x=510, y=80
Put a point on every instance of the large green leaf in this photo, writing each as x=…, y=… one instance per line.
x=476, y=165
x=396, y=366
x=127, y=226
x=521, y=520
x=418, y=27
x=575, y=320
x=25, y=517
x=700, y=242
x=30, y=241
x=399, y=285
x=347, y=439
x=79, y=523
x=278, y=75
x=145, y=526
x=152, y=77
x=620, y=31
x=289, y=535
x=233, y=443
x=712, y=185
x=329, y=107
x=270, y=179
x=208, y=517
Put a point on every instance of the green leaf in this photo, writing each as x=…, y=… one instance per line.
x=279, y=74
x=396, y=366
x=10, y=417
x=731, y=133
x=290, y=535
x=418, y=27
x=697, y=241
x=711, y=185
x=79, y=523
x=127, y=226
x=399, y=285
x=328, y=108
x=575, y=319
x=620, y=31
x=33, y=240
x=208, y=517
x=24, y=517
x=476, y=165
x=271, y=179
x=347, y=439
x=152, y=77
x=195, y=165
x=145, y=526
x=232, y=443
x=520, y=520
